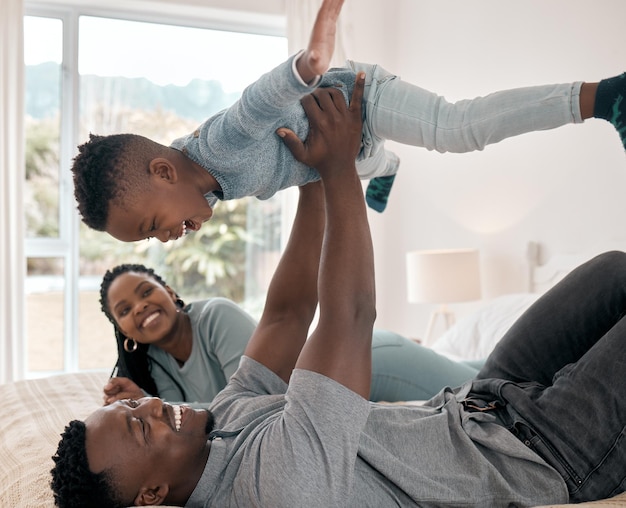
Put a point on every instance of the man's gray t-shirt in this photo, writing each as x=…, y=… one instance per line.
x=317, y=443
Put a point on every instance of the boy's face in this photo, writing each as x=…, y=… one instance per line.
x=162, y=210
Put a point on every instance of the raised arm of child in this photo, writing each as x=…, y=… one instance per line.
x=315, y=60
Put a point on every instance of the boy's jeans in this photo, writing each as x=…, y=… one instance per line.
x=411, y=115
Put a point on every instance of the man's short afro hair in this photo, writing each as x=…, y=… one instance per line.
x=73, y=483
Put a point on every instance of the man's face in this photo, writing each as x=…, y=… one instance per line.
x=162, y=210
x=149, y=446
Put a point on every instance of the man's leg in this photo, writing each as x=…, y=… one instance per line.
x=563, y=324
x=567, y=354
x=578, y=424
x=340, y=347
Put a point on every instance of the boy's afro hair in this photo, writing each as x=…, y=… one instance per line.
x=102, y=172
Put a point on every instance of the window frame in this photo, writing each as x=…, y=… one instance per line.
x=229, y=15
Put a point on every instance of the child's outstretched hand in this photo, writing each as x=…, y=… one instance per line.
x=316, y=58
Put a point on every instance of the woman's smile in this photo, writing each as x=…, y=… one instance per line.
x=150, y=319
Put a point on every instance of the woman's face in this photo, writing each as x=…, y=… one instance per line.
x=142, y=308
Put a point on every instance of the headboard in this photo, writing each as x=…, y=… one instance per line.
x=543, y=275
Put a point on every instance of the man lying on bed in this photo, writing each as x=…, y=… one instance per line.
x=542, y=424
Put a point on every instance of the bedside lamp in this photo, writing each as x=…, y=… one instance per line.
x=442, y=276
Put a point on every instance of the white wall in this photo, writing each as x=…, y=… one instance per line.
x=563, y=188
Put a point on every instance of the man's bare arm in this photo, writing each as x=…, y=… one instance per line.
x=292, y=295
x=340, y=346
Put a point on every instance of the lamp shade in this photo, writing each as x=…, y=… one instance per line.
x=443, y=276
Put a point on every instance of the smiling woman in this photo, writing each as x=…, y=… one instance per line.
x=166, y=348
x=187, y=353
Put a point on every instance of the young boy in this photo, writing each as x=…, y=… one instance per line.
x=134, y=188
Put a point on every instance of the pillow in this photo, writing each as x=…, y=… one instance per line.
x=475, y=336
x=34, y=413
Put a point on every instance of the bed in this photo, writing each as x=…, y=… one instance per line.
x=34, y=412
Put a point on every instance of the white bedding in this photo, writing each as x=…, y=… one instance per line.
x=34, y=413
x=475, y=336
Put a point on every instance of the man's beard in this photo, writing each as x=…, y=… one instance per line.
x=210, y=422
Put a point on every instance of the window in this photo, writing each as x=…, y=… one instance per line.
x=105, y=74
